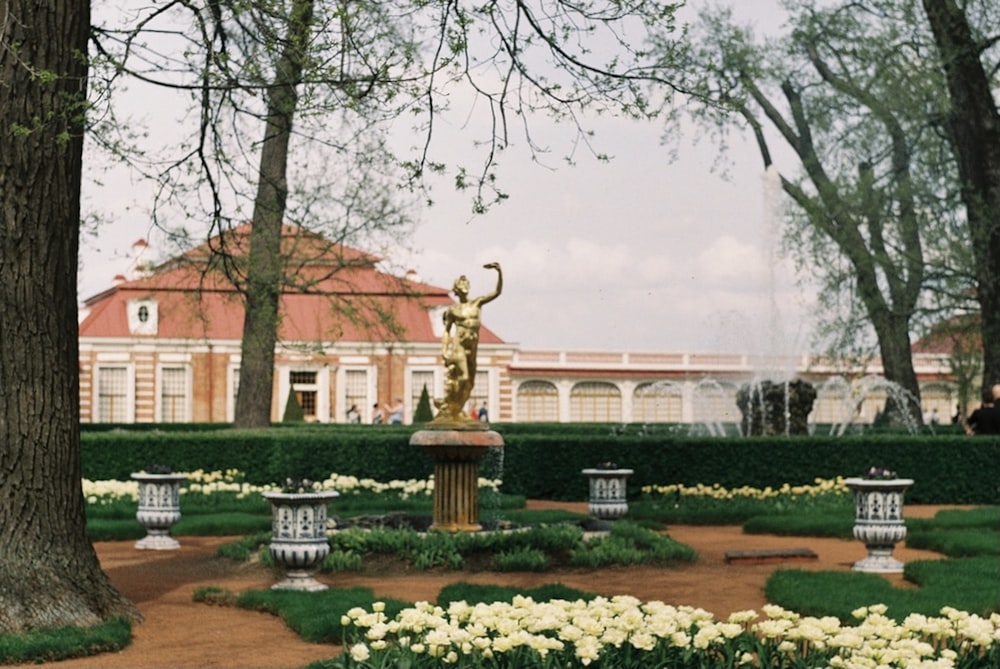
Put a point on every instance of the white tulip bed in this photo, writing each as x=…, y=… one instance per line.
x=624, y=633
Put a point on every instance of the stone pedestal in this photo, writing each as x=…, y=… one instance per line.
x=878, y=521
x=456, y=454
x=298, y=537
x=607, y=499
x=159, y=509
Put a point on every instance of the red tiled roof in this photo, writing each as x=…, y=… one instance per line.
x=335, y=293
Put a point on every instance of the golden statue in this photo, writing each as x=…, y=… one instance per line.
x=459, y=346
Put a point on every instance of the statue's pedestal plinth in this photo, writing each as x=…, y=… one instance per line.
x=456, y=454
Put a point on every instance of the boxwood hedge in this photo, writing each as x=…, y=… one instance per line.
x=544, y=461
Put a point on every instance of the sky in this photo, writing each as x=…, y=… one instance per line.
x=641, y=253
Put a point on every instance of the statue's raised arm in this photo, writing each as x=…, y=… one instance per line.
x=496, y=292
x=459, y=347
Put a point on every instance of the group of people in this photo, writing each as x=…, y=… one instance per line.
x=394, y=415
x=381, y=414
x=985, y=419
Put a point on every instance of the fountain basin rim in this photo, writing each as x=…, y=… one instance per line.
x=459, y=438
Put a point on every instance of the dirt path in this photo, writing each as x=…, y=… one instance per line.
x=180, y=633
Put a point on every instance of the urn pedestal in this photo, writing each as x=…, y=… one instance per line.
x=159, y=509
x=298, y=537
x=607, y=499
x=878, y=521
x=456, y=454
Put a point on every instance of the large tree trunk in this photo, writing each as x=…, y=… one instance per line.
x=975, y=126
x=266, y=269
x=49, y=572
x=897, y=365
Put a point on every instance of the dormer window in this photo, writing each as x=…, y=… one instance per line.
x=142, y=317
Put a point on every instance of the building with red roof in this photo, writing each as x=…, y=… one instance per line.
x=164, y=345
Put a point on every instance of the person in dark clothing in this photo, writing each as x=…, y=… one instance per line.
x=985, y=419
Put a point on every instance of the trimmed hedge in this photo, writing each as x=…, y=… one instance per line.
x=545, y=462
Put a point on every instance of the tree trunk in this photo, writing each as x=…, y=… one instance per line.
x=975, y=136
x=49, y=572
x=897, y=364
x=266, y=270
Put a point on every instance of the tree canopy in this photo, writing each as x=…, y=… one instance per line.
x=324, y=84
x=848, y=103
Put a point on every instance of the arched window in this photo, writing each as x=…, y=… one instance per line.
x=537, y=401
x=657, y=403
x=595, y=402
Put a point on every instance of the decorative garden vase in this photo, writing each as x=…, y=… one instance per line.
x=878, y=521
x=159, y=509
x=607, y=492
x=298, y=536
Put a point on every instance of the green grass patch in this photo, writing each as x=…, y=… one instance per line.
x=315, y=616
x=666, y=512
x=534, y=517
x=956, y=543
x=114, y=529
x=983, y=517
x=244, y=548
x=836, y=525
x=966, y=584
x=221, y=524
x=49, y=645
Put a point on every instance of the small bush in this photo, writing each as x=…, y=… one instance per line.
x=605, y=551
x=211, y=594
x=339, y=560
x=523, y=559
x=243, y=549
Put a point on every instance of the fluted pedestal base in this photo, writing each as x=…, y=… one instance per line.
x=456, y=455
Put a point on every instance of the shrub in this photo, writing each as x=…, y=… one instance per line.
x=521, y=559
x=342, y=561
x=423, y=412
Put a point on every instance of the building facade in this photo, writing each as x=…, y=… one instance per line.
x=164, y=346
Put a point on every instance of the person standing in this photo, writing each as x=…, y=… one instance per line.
x=985, y=419
x=396, y=412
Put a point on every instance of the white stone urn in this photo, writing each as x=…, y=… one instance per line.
x=878, y=521
x=298, y=536
x=159, y=509
x=607, y=499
